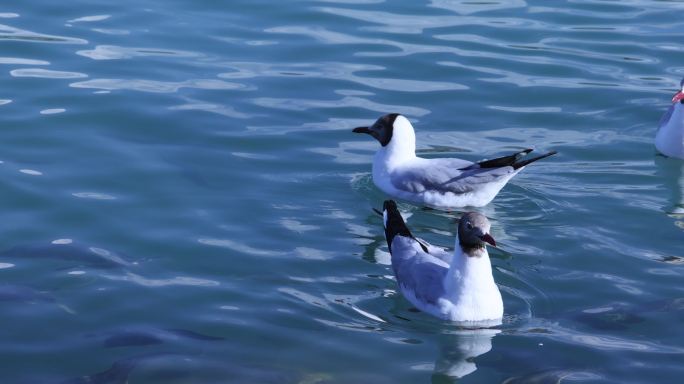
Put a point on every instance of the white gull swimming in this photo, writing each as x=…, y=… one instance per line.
x=441, y=183
x=458, y=287
x=670, y=136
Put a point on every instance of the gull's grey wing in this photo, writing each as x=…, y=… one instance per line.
x=445, y=175
x=417, y=271
x=456, y=175
x=415, y=268
x=666, y=117
x=438, y=252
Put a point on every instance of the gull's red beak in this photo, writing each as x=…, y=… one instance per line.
x=487, y=238
x=679, y=96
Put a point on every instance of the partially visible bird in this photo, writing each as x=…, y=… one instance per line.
x=441, y=183
x=669, y=139
x=458, y=287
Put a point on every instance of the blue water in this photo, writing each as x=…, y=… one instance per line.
x=183, y=200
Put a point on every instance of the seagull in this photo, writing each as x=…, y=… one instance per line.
x=440, y=183
x=457, y=287
x=670, y=137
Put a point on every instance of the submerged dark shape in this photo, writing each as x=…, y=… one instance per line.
x=77, y=255
x=118, y=373
x=21, y=293
x=131, y=339
x=613, y=317
x=552, y=376
x=193, y=335
x=176, y=367
x=137, y=337
x=620, y=316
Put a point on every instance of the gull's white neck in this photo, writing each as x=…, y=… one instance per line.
x=470, y=287
x=469, y=272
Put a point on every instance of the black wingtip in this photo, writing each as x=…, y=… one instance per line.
x=523, y=163
x=504, y=161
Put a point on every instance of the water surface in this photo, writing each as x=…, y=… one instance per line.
x=184, y=201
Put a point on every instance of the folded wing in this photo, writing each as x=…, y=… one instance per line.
x=456, y=175
x=418, y=272
x=442, y=175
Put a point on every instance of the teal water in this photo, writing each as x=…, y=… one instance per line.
x=183, y=200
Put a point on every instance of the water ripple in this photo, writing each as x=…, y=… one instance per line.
x=313, y=254
x=52, y=111
x=93, y=195
x=111, y=31
x=31, y=172
x=467, y=7
x=224, y=110
x=616, y=344
x=90, y=19
x=410, y=24
x=155, y=86
x=547, y=44
x=113, y=52
x=357, y=102
x=46, y=73
x=20, y=61
x=158, y=283
x=338, y=71
x=10, y=33
x=239, y=247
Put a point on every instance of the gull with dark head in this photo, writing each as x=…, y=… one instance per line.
x=456, y=286
x=670, y=137
x=441, y=183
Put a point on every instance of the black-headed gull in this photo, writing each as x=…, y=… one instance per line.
x=458, y=287
x=441, y=183
x=670, y=137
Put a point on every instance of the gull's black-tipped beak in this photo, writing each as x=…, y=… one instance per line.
x=362, y=130
x=487, y=238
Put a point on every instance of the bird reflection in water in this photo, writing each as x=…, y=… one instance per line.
x=458, y=350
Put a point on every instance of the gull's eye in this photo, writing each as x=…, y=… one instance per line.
x=469, y=225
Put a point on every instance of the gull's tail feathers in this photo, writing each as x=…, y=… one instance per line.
x=394, y=225
x=508, y=161
x=523, y=163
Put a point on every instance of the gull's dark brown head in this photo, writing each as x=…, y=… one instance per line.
x=473, y=232
x=381, y=130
